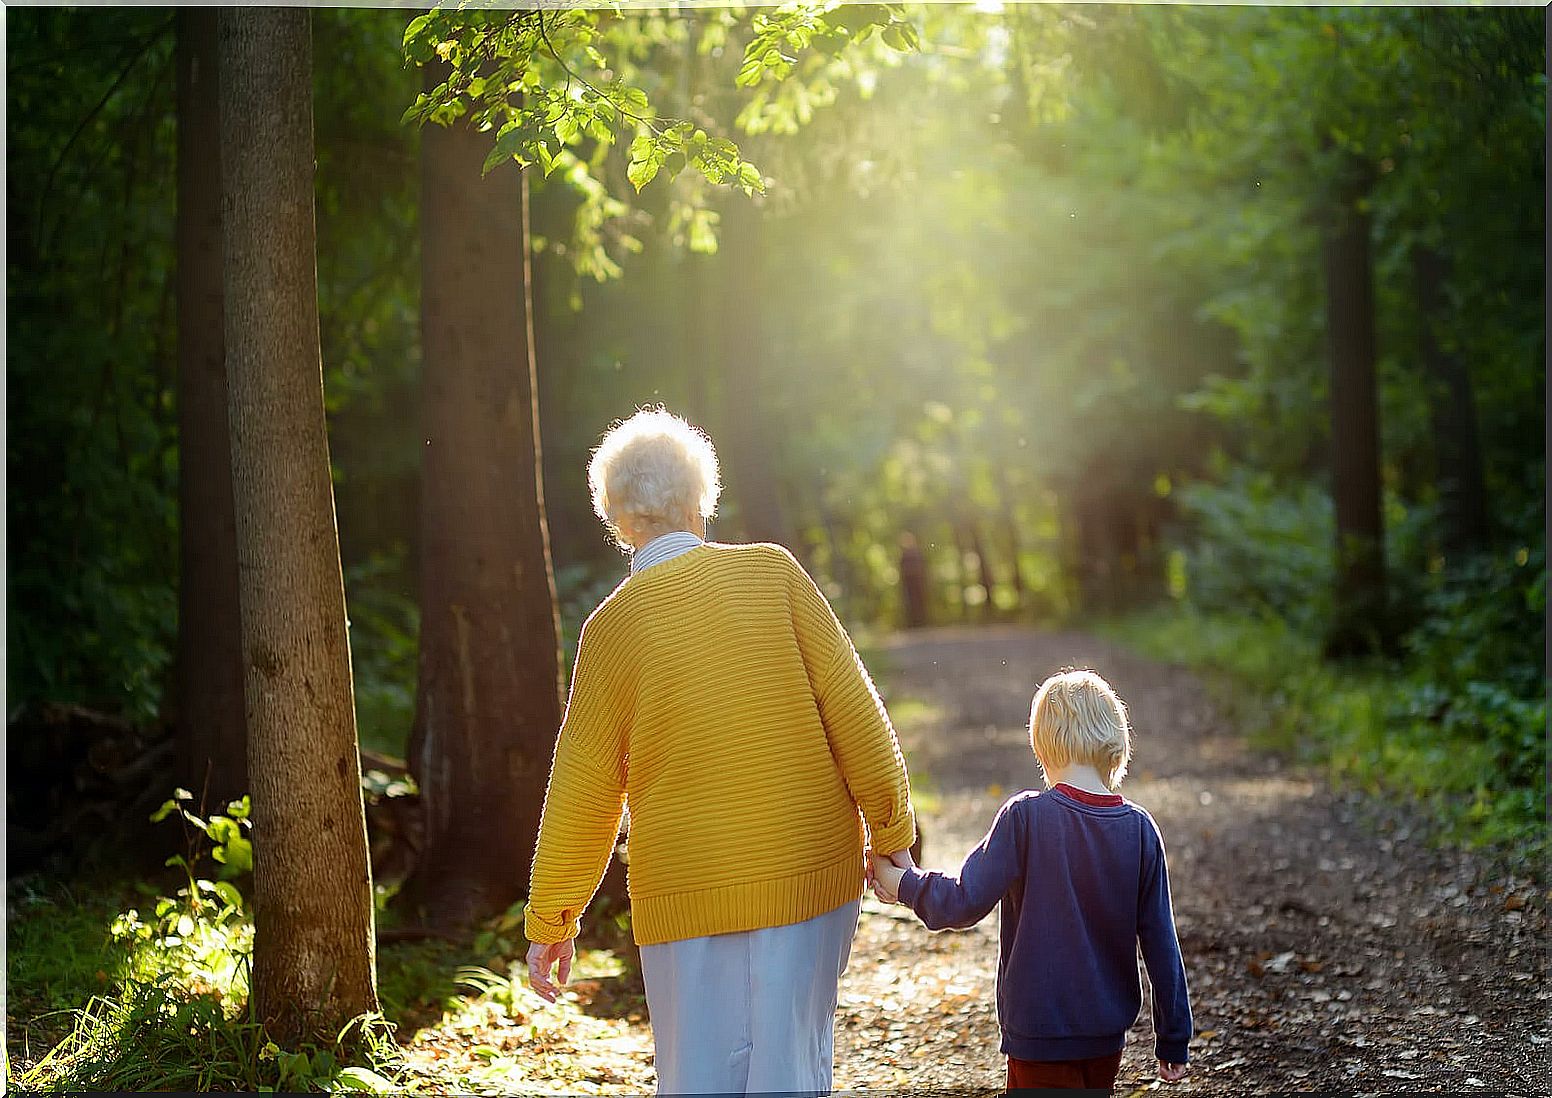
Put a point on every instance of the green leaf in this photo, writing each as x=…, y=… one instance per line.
x=228, y=892
x=901, y=36
x=360, y=1079
x=750, y=74
x=640, y=172
x=635, y=100
x=493, y=159
x=416, y=26
x=545, y=157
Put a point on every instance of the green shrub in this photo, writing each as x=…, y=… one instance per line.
x=384, y=649
x=179, y=1016
x=1471, y=751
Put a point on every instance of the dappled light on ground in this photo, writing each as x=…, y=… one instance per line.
x=1327, y=944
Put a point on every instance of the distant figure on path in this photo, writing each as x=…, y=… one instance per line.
x=716, y=693
x=913, y=581
x=1080, y=873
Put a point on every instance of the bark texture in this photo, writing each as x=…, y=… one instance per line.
x=1358, y=622
x=313, y=953
x=212, y=751
x=489, y=695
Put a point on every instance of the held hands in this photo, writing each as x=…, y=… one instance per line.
x=1172, y=1073
x=540, y=960
x=886, y=873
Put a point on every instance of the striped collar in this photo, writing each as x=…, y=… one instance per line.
x=663, y=547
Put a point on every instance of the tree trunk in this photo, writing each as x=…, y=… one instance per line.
x=313, y=948
x=749, y=444
x=1358, y=623
x=988, y=581
x=489, y=695
x=1015, y=542
x=913, y=581
x=209, y=675
x=1452, y=409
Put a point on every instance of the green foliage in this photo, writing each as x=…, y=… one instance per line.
x=170, y=1009
x=59, y=953
x=90, y=447
x=384, y=648
x=1255, y=548
x=1045, y=289
x=1471, y=755
x=157, y=1036
x=561, y=90
x=536, y=80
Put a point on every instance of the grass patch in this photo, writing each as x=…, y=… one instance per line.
x=113, y=988
x=58, y=954
x=1461, y=753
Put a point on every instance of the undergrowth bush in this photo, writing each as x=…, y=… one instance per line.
x=180, y=1017
x=1254, y=544
x=1458, y=723
x=384, y=648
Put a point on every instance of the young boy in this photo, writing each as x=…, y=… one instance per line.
x=1081, y=876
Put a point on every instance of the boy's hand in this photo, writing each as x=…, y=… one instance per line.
x=1172, y=1073
x=886, y=879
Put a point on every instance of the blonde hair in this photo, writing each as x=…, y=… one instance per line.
x=1077, y=718
x=653, y=468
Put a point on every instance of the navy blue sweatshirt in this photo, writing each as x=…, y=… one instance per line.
x=1082, y=881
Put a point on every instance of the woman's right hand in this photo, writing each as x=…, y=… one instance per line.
x=541, y=958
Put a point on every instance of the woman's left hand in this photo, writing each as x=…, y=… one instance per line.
x=541, y=958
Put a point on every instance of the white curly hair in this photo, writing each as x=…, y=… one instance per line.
x=653, y=469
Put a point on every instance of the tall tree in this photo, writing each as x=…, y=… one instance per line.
x=1452, y=409
x=1358, y=619
x=489, y=691
x=209, y=672
x=313, y=917
x=749, y=443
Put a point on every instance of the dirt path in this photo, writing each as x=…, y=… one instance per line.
x=1327, y=946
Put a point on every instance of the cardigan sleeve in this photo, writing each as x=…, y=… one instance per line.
x=861, y=739
x=586, y=795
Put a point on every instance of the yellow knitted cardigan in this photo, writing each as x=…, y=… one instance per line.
x=718, y=694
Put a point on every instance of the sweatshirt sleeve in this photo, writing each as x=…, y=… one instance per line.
x=861, y=739
x=586, y=794
x=989, y=872
x=1172, y=1024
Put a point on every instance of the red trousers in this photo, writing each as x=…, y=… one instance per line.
x=1095, y=1073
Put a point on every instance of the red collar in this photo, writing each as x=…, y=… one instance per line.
x=1083, y=796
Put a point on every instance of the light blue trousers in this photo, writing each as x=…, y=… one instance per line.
x=749, y=1013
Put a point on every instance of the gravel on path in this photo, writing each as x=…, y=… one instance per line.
x=1328, y=946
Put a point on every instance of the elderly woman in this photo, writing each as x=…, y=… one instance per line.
x=717, y=695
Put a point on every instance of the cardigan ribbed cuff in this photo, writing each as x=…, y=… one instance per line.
x=899, y=835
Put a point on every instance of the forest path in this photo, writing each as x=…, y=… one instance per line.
x=1327, y=946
